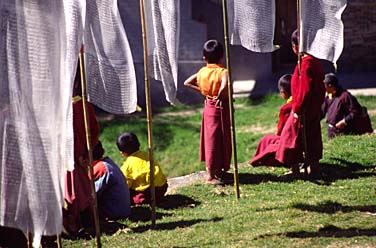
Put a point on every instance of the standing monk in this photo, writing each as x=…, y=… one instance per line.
x=302, y=132
x=215, y=138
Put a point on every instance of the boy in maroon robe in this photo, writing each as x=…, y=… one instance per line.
x=215, y=138
x=344, y=114
x=302, y=132
x=265, y=152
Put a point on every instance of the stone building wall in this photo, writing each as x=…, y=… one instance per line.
x=359, y=52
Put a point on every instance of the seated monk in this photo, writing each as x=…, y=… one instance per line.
x=344, y=114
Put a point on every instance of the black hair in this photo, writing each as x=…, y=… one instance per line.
x=213, y=51
x=98, y=151
x=284, y=83
x=295, y=38
x=330, y=78
x=128, y=142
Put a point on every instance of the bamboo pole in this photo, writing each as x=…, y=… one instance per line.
x=89, y=148
x=300, y=56
x=148, y=111
x=29, y=240
x=58, y=239
x=230, y=98
x=298, y=12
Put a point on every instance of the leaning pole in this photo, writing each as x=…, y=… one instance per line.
x=148, y=111
x=89, y=147
x=230, y=98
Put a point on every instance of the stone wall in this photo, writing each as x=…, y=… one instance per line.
x=359, y=52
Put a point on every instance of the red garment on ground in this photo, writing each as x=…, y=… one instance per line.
x=215, y=136
x=144, y=197
x=308, y=93
x=265, y=152
x=267, y=146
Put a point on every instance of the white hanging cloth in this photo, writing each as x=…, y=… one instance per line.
x=251, y=24
x=39, y=46
x=322, y=30
x=110, y=73
x=36, y=138
x=163, y=28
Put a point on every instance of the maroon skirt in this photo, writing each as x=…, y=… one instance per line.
x=215, y=137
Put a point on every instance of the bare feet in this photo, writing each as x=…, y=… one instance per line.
x=213, y=181
x=313, y=169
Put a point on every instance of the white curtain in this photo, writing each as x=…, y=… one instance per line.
x=35, y=135
x=39, y=47
x=111, y=79
x=322, y=31
x=163, y=28
x=251, y=24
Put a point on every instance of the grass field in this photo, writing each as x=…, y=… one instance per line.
x=337, y=209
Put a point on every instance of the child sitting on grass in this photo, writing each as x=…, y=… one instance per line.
x=266, y=148
x=136, y=169
x=110, y=186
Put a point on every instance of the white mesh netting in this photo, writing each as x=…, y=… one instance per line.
x=322, y=28
x=39, y=46
x=110, y=73
x=35, y=138
x=251, y=24
x=163, y=27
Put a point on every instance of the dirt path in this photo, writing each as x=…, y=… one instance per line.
x=187, y=180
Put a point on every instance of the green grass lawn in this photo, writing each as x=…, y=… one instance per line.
x=337, y=209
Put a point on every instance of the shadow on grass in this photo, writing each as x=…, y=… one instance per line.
x=346, y=170
x=248, y=178
x=329, y=173
x=175, y=224
x=143, y=214
x=329, y=231
x=330, y=207
x=88, y=233
x=177, y=201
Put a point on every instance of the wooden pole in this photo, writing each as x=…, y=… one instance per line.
x=29, y=240
x=58, y=239
x=230, y=98
x=300, y=56
x=148, y=111
x=89, y=148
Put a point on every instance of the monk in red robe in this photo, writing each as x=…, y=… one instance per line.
x=302, y=132
x=215, y=138
x=266, y=149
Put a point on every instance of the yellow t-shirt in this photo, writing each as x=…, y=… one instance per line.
x=209, y=79
x=136, y=169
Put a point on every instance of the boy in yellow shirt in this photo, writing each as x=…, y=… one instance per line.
x=136, y=169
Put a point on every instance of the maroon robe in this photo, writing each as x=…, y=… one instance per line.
x=77, y=191
x=284, y=113
x=308, y=93
x=215, y=136
x=265, y=152
x=267, y=147
x=341, y=106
